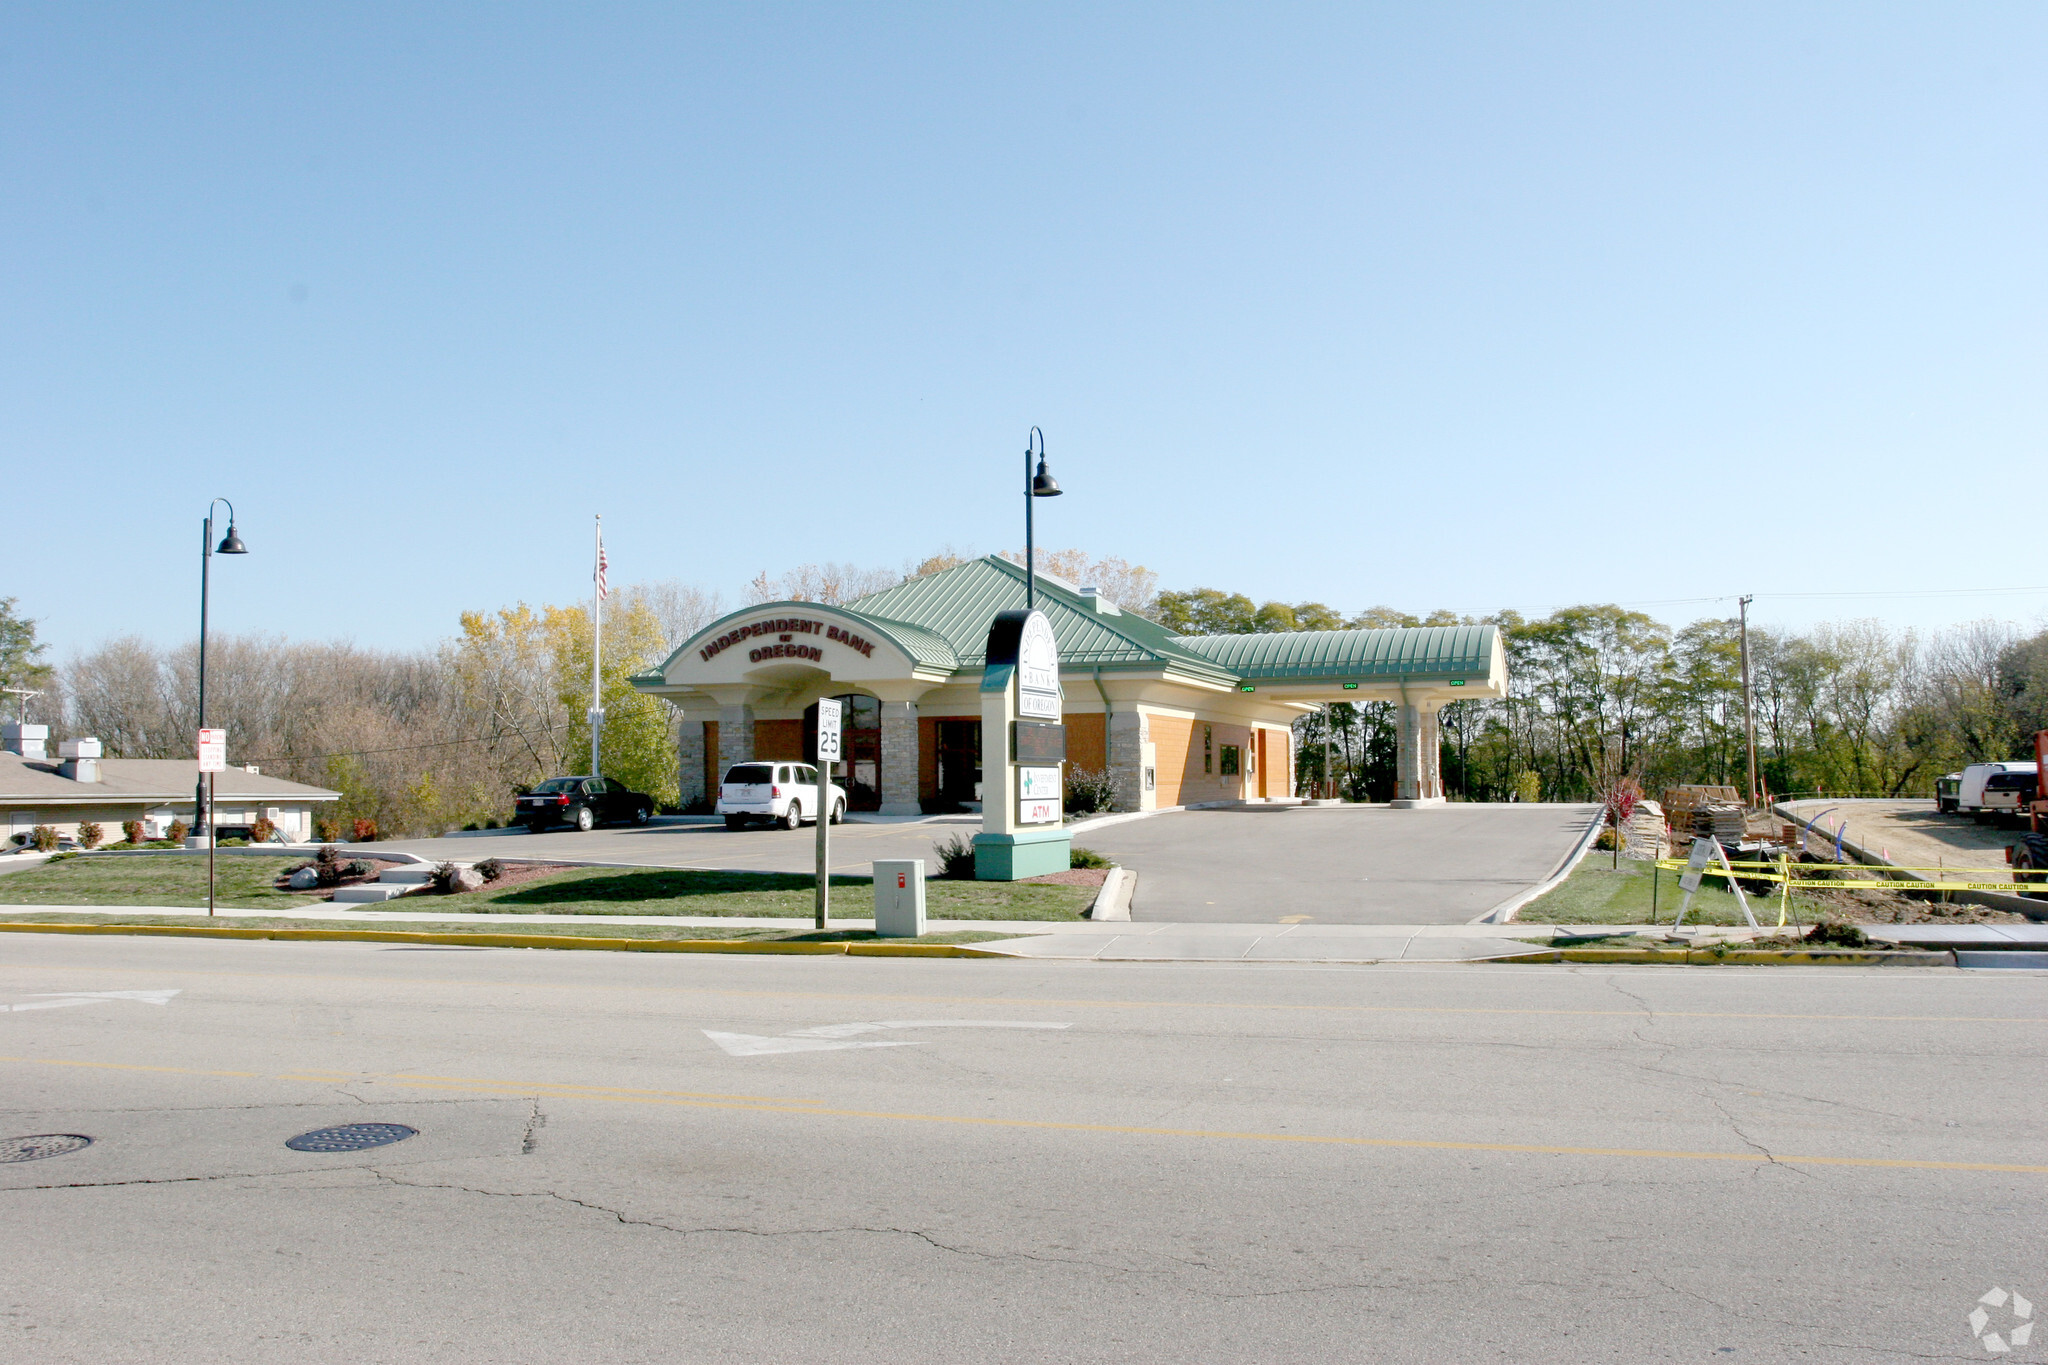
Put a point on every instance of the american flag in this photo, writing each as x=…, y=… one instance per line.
x=600, y=567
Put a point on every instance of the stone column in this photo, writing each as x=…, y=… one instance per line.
x=1127, y=758
x=690, y=762
x=735, y=735
x=1417, y=781
x=899, y=759
x=1430, y=749
x=1407, y=753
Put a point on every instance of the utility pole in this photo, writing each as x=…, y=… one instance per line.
x=1748, y=712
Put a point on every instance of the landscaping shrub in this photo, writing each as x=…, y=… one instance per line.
x=263, y=831
x=90, y=834
x=177, y=832
x=355, y=867
x=44, y=837
x=490, y=869
x=326, y=831
x=1089, y=790
x=1086, y=857
x=1608, y=838
x=363, y=831
x=133, y=829
x=956, y=858
x=1836, y=935
x=327, y=866
x=442, y=878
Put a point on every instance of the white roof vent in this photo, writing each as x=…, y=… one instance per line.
x=1099, y=604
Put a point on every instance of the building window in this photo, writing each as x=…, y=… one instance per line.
x=1230, y=760
x=1208, y=751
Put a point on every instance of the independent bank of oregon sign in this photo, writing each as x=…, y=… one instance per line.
x=1038, y=670
x=786, y=629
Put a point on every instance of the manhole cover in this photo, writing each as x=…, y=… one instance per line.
x=41, y=1145
x=350, y=1137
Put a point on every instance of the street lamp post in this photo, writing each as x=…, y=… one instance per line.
x=231, y=544
x=1041, y=485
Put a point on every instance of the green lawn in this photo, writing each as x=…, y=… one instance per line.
x=244, y=883
x=1596, y=893
x=733, y=933
x=151, y=879
x=608, y=891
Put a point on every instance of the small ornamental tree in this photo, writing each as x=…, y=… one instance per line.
x=177, y=832
x=1621, y=794
x=90, y=834
x=44, y=837
x=263, y=831
x=363, y=831
x=133, y=830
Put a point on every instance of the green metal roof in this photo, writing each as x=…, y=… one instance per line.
x=925, y=647
x=958, y=604
x=1425, y=650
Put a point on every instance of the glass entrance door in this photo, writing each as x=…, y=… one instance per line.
x=959, y=762
x=859, y=768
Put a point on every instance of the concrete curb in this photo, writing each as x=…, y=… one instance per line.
x=1505, y=912
x=1738, y=957
x=1113, y=900
x=621, y=945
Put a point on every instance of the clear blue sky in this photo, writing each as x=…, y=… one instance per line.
x=1467, y=306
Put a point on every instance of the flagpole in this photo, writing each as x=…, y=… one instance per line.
x=597, y=652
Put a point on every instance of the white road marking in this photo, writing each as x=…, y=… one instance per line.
x=825, y=1038
x=57, y=1000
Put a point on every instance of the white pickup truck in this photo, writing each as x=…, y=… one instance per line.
x=784, y=794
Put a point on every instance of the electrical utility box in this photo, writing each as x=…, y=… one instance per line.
x=899, y=898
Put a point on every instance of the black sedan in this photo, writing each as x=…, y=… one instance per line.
x=584, y=802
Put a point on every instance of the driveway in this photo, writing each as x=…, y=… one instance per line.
x=682, y=842
x=1339, y=864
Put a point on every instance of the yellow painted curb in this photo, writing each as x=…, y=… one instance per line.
x=485, y=940
x=1742, y=957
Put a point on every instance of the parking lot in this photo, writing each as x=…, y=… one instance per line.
x=1341, y=864
x=1256, y=864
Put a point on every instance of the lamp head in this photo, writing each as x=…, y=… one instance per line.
x=232, y=544
x=1043, y=484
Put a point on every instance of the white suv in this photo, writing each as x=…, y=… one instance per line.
x=783, y=793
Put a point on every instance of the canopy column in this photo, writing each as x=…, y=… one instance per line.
x=1418, y=779
x=899, y=759
x=690, y=762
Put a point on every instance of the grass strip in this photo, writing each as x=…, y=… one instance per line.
x=1598, y=893
x=680, y=932
x=245, y=884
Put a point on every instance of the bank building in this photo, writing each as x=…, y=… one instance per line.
x=1175, y=720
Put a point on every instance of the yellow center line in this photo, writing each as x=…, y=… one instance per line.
x=816, y=1109
x=411, y=1078
x=1313, y=1139
x=125, y=1066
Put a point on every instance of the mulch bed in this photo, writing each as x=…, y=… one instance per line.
x=1073, y=876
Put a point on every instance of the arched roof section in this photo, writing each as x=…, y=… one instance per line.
x=1319, y=655
x=922, y=650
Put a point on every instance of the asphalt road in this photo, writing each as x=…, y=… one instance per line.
x=1339, y=864
x=1207, y=1164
